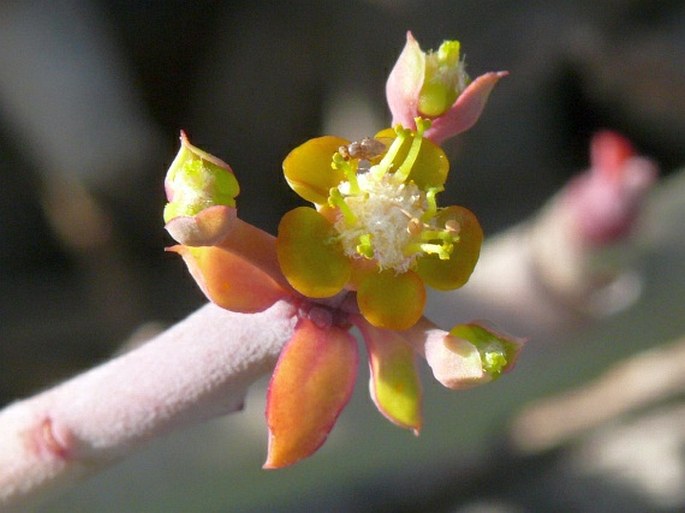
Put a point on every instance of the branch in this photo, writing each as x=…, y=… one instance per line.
x=201, y=368
x=642, y=380
x=198, y=369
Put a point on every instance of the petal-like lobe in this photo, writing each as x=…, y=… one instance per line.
x=230, y=281
x=395, y=386
x=312, y=383
x=470, y=354
x=308, y=168
x=455, y=362
x=404, y=83
x=390, y=300
x=466, y=110
x=208, y=227
x=310, y=254
x=454, y=272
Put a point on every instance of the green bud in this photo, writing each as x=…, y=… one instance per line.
x=197, y=180
x=497, y=351
x=444, y=80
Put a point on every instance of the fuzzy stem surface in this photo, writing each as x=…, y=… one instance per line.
x=197, y=370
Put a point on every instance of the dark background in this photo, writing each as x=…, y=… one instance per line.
x=81, y=238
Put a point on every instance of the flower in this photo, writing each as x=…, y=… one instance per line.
x=376, y=227
x=232, y=262
x=315, y=374
x=470, y=354
x=435, y=85
x=607, y=198
x=360, y=257
x=201, y=191
x=317, y=368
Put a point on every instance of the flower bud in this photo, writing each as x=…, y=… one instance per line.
x=435, y=85
x=201, y=191
x=444, y=80
x=471, y=354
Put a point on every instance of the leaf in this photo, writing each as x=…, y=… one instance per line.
x=394, y=383
x=312, y=383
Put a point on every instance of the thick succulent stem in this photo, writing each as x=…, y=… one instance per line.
x=198, y=369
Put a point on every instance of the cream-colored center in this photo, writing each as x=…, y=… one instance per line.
x=384, y=211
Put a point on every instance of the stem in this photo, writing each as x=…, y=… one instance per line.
x=201, y=367
x=198, y=369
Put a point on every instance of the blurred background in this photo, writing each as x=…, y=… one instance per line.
x=92, y=97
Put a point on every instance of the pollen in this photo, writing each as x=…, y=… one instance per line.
x=384, y=220
x=383, y=215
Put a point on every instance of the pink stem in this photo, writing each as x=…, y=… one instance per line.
x=198, y=369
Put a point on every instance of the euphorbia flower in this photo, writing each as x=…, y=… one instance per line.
x=606, y=199
x=233, y=262
x=201, y=191
x=434, y=85
x=580, y=244
x=376, y=227
x=314, y=376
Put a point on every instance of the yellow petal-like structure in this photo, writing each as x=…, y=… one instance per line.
x=390, y=300
x=454, y=272
x=308, y=168
x=310, y=255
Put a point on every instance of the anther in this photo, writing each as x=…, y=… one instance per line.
x=452, y=226
x=414, y=227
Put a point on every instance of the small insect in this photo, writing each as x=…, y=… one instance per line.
x=366, y=149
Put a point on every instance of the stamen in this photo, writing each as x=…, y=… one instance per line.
x=339, y=162
x=386, y=163
x=442, y=235
x=365, y=248
x=403, y=172
x=442, y=250
x=432, y=207
x=414, y=227
x=336, y=200
x=453, y=226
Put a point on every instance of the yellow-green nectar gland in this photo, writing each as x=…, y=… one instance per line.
x=386, y=217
